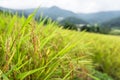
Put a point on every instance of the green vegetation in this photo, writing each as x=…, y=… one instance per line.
x=70, y=26
x=115, y=31
x=30, y=50
x=88, y=28
x=113, y=22
x=73, y=20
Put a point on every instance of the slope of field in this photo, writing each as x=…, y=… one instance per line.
x=33, y=51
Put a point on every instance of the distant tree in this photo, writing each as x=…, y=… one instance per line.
x=96, y=28
x=85, y=28
x=70, y=26
x=105, y=29
x=1, y=11
x=91, y=28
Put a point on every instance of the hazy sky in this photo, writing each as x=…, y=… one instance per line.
x=78, y=6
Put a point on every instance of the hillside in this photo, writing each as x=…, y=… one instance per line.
x=100, y=17
x=52, y=12
x=113, y=23
x=55, y=12
x=73, y=20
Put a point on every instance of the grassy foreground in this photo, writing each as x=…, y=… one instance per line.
x=34, y=51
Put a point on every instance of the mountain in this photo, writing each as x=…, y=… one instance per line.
x=53, y=12
x=100, y=17
x=113, y=23
x=57, y=13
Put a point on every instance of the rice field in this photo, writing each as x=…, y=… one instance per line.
x=30, y=50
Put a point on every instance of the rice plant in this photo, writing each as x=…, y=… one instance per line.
x=31, y=50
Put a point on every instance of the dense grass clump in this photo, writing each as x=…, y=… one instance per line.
x=105, y=50
x=30, y=50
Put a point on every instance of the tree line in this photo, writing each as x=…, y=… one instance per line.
x=87, y=27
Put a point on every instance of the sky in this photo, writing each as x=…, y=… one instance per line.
x=77, y=6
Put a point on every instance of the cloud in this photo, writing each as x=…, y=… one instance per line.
x=85, y=6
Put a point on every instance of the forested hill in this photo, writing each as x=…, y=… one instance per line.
x=55, y=13
x=112, y=23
